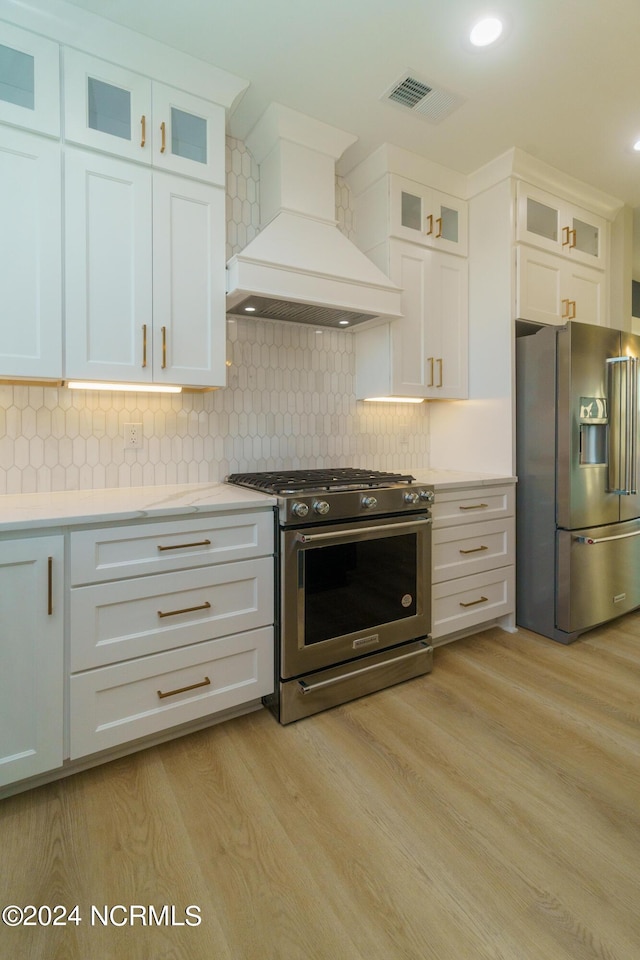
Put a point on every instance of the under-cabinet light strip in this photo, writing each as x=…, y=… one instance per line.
x=394, y=400
x=130, y=387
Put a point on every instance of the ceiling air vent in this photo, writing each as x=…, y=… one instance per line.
x=421, y=98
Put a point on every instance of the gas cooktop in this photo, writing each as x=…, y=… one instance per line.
x=306, y=481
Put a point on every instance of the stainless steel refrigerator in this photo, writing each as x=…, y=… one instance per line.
x=578, y=532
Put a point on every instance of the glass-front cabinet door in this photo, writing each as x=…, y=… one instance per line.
x=121, y=112
x=548, y=222
x=422, y=215
x=29, y=81
x=106, y=107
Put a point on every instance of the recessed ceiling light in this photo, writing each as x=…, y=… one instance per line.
x=485, y=32
x=249, y=309
x=343, y=323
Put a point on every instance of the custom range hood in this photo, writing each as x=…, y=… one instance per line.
x=301, y=267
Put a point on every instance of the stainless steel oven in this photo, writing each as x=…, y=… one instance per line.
x=354, y=587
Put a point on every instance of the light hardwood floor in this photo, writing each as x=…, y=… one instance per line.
x=488, y=811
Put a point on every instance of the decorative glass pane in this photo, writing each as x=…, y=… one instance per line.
x=449, y=228
x=109, y=109
x=188, y=136
x=542, y=220
x=411, y=211
x=16, y=77
x=587, y=237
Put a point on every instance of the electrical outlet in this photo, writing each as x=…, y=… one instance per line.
x=133, y=436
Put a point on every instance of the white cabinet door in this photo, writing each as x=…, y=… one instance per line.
x=422, y=215
x=29, y=81
x=552, y=224
x=188, y=134
x=108, y=262
x=30, y=255
x=447, y=336
x=31, y=657
x=106, y=107
x=189, y=319
x=549, y=289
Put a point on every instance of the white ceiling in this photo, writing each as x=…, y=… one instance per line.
x=564, y=84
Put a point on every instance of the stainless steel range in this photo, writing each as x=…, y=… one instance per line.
x=353, y=594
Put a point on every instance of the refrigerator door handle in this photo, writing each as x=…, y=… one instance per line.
x=591, y=540
x=623, y=445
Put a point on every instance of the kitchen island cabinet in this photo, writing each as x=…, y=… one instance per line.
x=31, y=656
x=170, y=597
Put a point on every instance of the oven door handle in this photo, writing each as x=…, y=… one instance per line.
x=335, y=534
x=311, y=687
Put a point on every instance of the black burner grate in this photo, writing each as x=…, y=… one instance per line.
x=291, y=481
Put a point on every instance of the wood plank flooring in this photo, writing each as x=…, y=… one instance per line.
x=488, y=811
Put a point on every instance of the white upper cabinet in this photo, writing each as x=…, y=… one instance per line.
x=30, y=256
x=422, y=215
x=29, y=81
x=118, y=111
x=552, y=289
x=424, y=352
x=559, y=227
x=144, y=274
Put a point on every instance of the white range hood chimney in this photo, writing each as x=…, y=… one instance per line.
x=301, y=267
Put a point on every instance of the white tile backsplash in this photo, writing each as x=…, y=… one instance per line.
x=289, y=403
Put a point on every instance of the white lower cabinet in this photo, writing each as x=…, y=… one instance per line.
x=31, y=656
x=151, y=650
x=125, y=701
x=473, y=565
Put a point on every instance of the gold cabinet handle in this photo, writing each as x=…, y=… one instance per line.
x=439, y=233
x=143, y=130
x=565, y=236
x=429, y=232
x=144, y=344
x=572, y=234
x=430, y=362
x=472, y=603
x=49, y=586
x=192, y=686
x=472, y=506
x=439, y=362
x=474, y=550
x=164, y=348
x=565, y=309
x=183, y=546
x=174, y=613
x=163, y=135
x=572, y=309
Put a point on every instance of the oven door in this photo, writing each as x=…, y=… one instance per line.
x=351, y=589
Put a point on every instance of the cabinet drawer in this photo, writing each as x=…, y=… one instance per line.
x=121, y=703
x=468, y=601
x=148, y=548
x=474, y=504
x=131, y=618
x=472, y=548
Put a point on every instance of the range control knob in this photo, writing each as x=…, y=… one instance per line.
x=426, y=495
x=411, y=497
x=299, y=509
x=321, y=506
x=369, y=502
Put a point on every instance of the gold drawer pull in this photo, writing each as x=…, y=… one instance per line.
x=192, y=686
x=472, y=603
x=474, y=506
x=174, y=613
x=50, y=586
x=474, y=550
x=183, y=546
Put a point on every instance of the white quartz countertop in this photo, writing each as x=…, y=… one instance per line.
x=31, y=511
x=454, y=479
